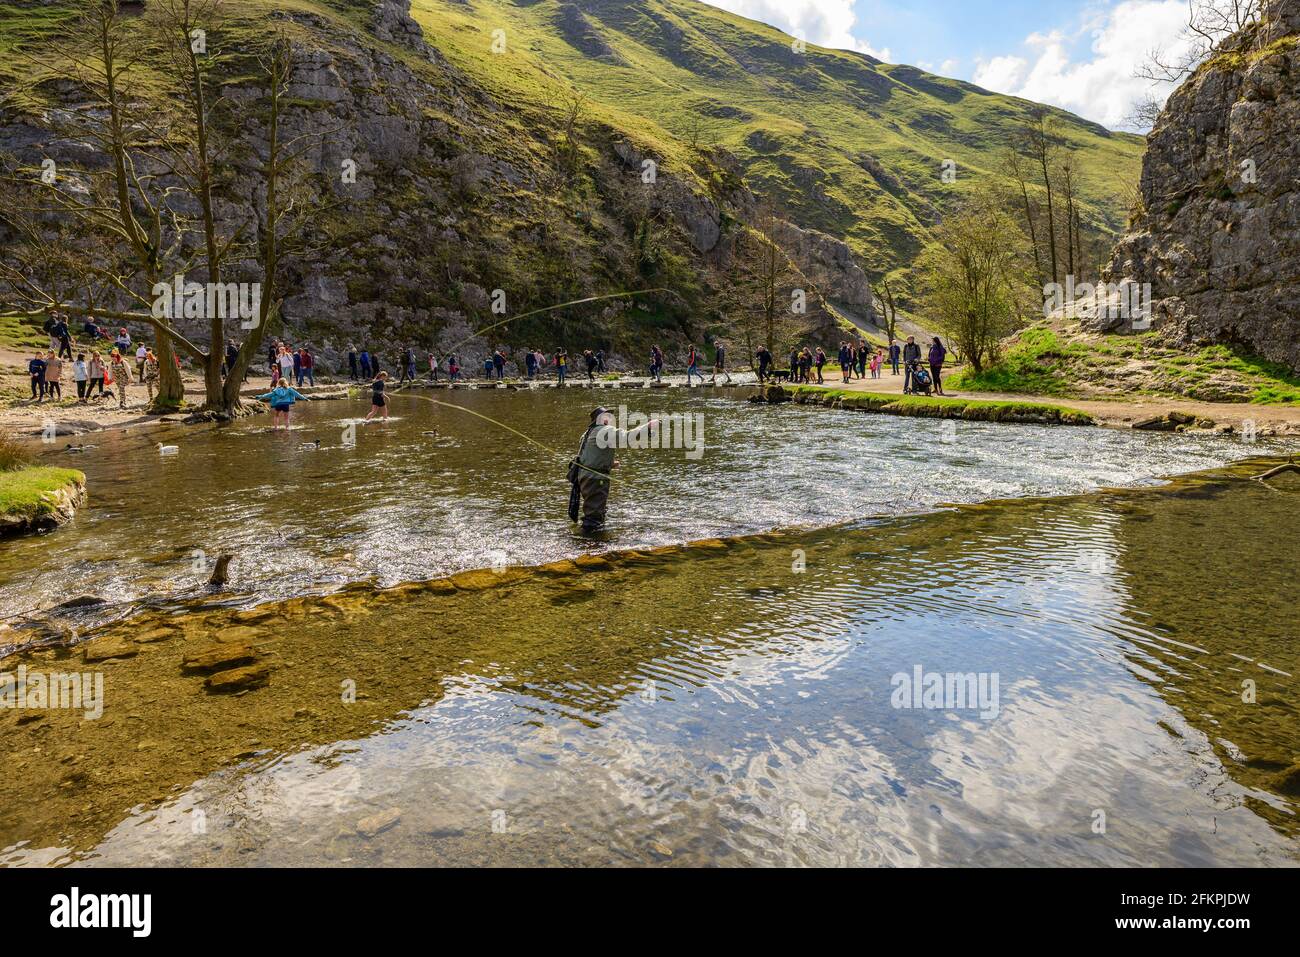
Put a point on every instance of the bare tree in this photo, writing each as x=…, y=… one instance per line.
x=160, y=161
x=1042, y=143
x=1144, y=113
x=1067, y=181
x=1013, y=163
x=1209, y=23
x=888, y=310
x=760, y=286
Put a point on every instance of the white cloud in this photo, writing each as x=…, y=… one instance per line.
x=1101, y=87
x=827, y=23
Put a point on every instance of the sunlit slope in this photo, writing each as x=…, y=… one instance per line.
x=849, y=145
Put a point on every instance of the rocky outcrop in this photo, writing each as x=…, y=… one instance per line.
x=392, y=21
x=1219, y=238
x=830, y=265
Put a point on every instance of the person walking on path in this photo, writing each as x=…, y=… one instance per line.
x=819, y=360
x=36, y=369
x=79, y=376
x=286, y=361
x=151, y=374
x=590, y=471
x=95, y=370
x=911, y=354
x=365, y=363
x=64, y=335
x=53, y=377
x=764, y=357
x=352, y=362
x=232, y=356
x=282, y=398
x=120, y=373
x=139, y=362
x=894, y=354
x=936, y=356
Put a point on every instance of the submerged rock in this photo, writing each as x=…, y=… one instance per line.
x=106, y=650
x=232, y=650
x=376, y=824
x=238, y=679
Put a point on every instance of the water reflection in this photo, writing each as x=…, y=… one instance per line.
x=717, y=705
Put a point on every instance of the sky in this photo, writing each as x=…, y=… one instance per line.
x=1077, y=54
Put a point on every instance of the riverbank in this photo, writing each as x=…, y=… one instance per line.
x=38, y=498
x=928, y=407
x=1228, y=418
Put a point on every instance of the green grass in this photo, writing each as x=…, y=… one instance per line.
x=1042, y=362
x=1275, y=383
x=26, y=491
x=942, y=407
x=21, y=334
x=1031, y=366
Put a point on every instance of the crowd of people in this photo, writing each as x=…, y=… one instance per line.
x=95, y=375
x=100, y=371
x=860, y=360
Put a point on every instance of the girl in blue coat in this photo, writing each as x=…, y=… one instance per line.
x=282, y=398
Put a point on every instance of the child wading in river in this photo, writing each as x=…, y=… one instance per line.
x=282, y=398
x=378, y=401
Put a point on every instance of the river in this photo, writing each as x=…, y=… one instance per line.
x=733, y=702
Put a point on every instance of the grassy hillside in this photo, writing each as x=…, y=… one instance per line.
x=849, y=145
x=839, y=141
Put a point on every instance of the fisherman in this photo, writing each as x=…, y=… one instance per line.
x=589, y=473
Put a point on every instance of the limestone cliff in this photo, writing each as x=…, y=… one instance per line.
x=1219, y=237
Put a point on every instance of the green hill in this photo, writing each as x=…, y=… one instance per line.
x=849, y=145
x=507, y=153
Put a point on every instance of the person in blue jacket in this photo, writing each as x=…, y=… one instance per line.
x=282, y=398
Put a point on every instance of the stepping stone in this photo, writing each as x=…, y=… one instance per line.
x=238, y=679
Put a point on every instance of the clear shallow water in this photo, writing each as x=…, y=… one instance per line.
x=403, y=505
x=722, y=705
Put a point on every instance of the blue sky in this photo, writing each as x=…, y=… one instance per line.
x=1077, y=54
